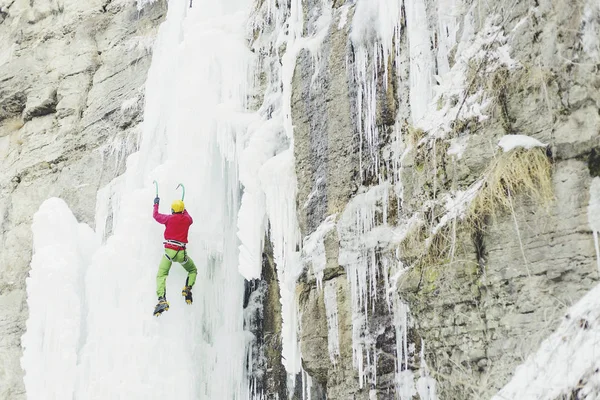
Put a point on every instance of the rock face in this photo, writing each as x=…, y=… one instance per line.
x=484, y=285
x=72, y=75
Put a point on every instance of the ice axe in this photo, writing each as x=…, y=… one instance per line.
x=156, y=186
x=183, y=189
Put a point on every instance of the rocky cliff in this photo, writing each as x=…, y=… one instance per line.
x=406, y=201
x=72, y=76
x=443, y=150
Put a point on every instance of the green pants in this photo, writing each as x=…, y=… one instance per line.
x=165, y=265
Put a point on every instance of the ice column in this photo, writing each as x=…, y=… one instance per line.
x=55, y=298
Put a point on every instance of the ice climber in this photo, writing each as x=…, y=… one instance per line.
x=177, y=226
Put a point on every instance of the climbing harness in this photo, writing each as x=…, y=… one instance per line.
x=175, y=243
x=185, y=257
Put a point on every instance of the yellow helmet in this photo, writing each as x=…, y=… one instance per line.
x=177, y=206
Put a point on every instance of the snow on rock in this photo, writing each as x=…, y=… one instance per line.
x=143, y=3
x=510, y=142
x=457, y=204
x=591, y=25
x=451, y=100
x=565, y=361
x=360, y=235
x=314, y=248
x=62, y=248
x=458, y=146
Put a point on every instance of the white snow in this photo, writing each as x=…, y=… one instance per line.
x=270, y=154
x=450, y=100
x=591, y=24
x=129, y=104
x=238, y=167
x=457, y=203
x=510, y=142
x=278, y=180
x=143, y=3
x=458, y=146
x=569, y=355
x=343, y=16
x=405, y=379
x=314, y=248
x=360, y=236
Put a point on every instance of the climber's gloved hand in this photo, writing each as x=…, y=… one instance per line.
x=156, y=200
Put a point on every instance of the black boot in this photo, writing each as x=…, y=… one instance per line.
x=187, y=293
x=161, y=306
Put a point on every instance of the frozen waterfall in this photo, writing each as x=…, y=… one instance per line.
x=92, y=320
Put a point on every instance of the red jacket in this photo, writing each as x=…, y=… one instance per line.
x=177, y=226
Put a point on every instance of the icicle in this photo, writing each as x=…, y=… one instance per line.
x=374, y=35
x=594, y=215
x=331, y=312
x=421, y=59
x=426, y=385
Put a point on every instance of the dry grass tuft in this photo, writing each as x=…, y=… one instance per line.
x=518, y=171
x=422, y=248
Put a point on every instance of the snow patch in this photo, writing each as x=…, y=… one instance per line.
x=458, y=146
x=314, y=248
x=511, y=142
x=457, y=203
x=591, y=25
x=129, y=104
x=565, y=361
x=451, y=100
x=343, y=16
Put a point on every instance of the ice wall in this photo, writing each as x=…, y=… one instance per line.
x=195, y=118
